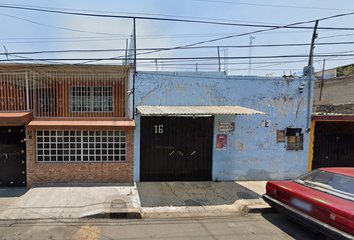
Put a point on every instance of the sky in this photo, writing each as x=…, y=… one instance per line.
x=237, y=37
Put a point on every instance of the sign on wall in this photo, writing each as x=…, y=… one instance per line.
x=221, y=142
x=227, y=127
x=265, y=123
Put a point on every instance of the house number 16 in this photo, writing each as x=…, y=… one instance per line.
x=158, y=128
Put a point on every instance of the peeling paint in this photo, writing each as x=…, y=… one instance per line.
x=240, y=146
x=252, y=152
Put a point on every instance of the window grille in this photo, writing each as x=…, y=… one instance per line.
x=81, y=146
x=48, y=102
x=92, y=99
x=66, y=91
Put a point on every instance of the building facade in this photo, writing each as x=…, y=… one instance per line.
x=65, y=123
x=332, y=143
x=209, y=126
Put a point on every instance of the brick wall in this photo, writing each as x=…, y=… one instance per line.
x=88, y=172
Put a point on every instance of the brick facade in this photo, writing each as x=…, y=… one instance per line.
x=88, y=172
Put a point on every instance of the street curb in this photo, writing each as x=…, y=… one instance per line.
x=257, y=208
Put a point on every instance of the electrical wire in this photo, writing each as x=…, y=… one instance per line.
x=276, y=6
x=182, y=20
x=186, y=48
x=188, y=58
x=61, y=28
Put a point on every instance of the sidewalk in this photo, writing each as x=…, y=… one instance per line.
x=131, y=200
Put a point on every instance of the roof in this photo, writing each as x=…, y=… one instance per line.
x=195, y=110
x=16, y=116
x=122, y=124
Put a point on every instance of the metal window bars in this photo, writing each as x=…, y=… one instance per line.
x=65, y=94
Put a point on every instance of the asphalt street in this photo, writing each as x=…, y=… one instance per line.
x=266, y=226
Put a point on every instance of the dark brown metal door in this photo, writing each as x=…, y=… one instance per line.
x=333, y=145
x=12, y=157
x=176, y=148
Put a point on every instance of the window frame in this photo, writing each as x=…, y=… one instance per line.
x=92, y=104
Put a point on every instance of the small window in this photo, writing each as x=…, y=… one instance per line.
x=295, y=139
x=92, y=99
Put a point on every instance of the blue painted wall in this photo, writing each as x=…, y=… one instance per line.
x=252, y=150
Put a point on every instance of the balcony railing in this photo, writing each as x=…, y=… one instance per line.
x=65, y=93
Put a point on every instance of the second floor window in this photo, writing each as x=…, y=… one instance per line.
x=92, y=99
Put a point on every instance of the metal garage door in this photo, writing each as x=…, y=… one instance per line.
x=333, y=145
x=176, y=148
x=12, y=157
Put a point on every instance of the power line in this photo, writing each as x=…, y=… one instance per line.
x=135, y=13
x=276, y=6
x=186, y=48
x=185, y=58
x=181, y=20
x=62, y=28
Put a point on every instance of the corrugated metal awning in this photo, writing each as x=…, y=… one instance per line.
x=195, y=110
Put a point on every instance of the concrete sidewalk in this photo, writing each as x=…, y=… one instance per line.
x=144, y=199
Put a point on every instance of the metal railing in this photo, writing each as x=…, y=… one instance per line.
x=65, y=94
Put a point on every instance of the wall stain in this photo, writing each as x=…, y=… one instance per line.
x=240, y=146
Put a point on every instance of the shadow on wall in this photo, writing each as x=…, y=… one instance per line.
x=180, y=194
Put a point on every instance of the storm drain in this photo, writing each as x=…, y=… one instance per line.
x=119, y=210
x=124, y=215
x=118, y=215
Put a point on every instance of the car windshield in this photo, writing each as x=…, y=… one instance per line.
x=331, y=183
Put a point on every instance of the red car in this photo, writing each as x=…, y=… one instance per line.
x=322, y=200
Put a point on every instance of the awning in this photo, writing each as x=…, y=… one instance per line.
x=124, y=124
x=195, y=110
x=16, y=116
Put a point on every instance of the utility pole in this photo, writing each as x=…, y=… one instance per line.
x=226, y=56
x=157, y=68
x=322, y=80
x=249, y=61
x=126, y=52
x=310, y=75
x=219, y=59
x=134, y=74
x=134, y=47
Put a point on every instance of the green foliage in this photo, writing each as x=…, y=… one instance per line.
x=345, y=71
